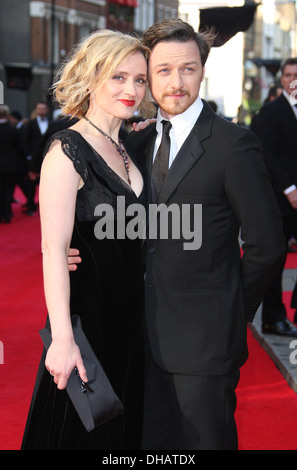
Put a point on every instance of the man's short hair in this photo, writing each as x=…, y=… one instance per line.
x=290, y=61
x=179, y=31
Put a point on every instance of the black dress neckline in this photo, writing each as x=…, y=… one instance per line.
x=124, y=183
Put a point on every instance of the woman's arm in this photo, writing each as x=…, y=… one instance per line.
x=58, y=190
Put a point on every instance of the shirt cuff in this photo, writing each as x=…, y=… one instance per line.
x=289, y=189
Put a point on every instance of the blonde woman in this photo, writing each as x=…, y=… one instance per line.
x=103, y=82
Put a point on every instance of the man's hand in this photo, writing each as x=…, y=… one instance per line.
x=138, y=126
x=33, y=176
x=292, y=198
x=73, y=259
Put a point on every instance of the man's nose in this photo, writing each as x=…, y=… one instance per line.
x=176, y=80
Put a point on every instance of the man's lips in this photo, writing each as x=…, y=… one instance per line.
x=177, y=94
x=128, y=102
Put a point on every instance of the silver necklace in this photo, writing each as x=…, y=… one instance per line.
x=120, y=149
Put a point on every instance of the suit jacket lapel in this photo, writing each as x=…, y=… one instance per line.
x=190, y=152
x=289, y=110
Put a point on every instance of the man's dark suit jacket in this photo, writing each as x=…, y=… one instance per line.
x=198, y=302
x=32, y=136
x=276, y=128
x=9, y=147
x=54, y=126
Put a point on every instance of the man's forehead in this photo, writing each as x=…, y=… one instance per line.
x=290, y=68
x=169, y=51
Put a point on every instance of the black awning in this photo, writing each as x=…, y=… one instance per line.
x=272, y=65
x=227, y=21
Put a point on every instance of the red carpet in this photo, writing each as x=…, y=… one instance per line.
x=22, y=310
x=266, y=414
x=267, y=407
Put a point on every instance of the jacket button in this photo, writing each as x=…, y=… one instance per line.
x=151, y=249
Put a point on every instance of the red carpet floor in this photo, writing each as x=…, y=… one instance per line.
x=267, y=407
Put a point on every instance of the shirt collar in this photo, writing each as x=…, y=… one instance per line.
x=181, y=121
x=292, y=100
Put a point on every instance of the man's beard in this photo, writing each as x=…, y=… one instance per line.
x=176, y=106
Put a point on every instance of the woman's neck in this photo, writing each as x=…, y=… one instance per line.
x=109, y=125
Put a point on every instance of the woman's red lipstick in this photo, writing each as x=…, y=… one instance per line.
x=128, y=102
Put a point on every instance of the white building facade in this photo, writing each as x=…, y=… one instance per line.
x=224, y=67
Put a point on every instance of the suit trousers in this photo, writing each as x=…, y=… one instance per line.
x=184, y=412
x=274, y=309
x=7, y=181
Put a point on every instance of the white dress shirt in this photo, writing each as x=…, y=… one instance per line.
x=182, y=124
x=43, y=124
x=292, y=101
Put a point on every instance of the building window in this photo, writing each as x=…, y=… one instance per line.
x=164, y=13
x=144, y=15
x=85, y=30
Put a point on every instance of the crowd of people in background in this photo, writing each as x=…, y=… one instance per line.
x=22, y=141
x=21, y=148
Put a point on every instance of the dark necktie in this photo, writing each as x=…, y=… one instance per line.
x=160, y=166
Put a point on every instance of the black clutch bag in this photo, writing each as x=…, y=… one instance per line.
x=94, y=401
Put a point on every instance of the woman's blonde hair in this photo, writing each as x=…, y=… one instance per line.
x=103, y=50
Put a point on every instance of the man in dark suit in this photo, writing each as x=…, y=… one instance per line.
x=34, y=131
x=198, y=301
x=56, y=125
x=199, y=298
x=21, y=179
x=276, y=127
x=9, y=147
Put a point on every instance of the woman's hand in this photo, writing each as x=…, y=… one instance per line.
x=61, y=359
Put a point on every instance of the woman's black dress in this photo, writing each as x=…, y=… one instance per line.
x=107, y=293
